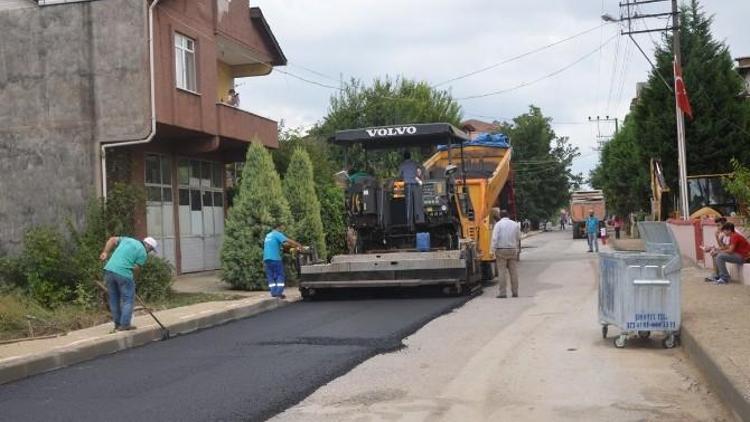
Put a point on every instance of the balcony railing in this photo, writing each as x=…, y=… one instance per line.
x=245, y=126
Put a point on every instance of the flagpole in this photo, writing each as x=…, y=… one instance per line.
x=681, y=155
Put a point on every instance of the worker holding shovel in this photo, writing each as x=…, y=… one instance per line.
x=122, y=267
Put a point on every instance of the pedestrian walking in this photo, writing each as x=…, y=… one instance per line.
x=506, y=242
x=618, y=226
x=120, y=272
x=563, y=219
x=736, y=252
x=272, y=262
x=592, y=231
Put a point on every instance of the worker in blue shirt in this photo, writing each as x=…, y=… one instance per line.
x=592, y=231
x=272, y=262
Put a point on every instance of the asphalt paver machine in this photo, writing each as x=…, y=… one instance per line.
x=461, y=181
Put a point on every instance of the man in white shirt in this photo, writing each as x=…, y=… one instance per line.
x=506, y=241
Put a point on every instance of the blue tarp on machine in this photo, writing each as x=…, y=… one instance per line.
x=495, y=140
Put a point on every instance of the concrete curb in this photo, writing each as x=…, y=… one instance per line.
x=727, y=389
x=26, y=366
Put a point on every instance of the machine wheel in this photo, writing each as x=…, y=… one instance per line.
x=620, y=341
x=644, y=334
x=307, y=294
x=605, y=328
x=669, y=341
x=487, y=270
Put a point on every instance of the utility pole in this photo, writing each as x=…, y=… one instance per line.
x=602, y=139
x=629, y=12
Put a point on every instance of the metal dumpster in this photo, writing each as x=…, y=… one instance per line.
x=639, y=292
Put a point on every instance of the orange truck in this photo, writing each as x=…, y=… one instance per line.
x=581, y=203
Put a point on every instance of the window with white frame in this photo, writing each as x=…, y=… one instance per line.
x=184, y=54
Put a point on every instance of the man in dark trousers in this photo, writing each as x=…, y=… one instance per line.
x=272, y=262
x=736, y=251
x=120, y=272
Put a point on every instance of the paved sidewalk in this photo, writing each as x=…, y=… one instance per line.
x=209, y=282
x=715, y=331
x=23, y=359
x=716, y=335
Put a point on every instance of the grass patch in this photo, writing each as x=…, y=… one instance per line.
x=175, y=300
x=22, y=317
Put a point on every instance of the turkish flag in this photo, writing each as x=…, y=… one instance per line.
x=680, y=92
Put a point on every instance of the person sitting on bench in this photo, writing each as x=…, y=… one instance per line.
x=736, y=252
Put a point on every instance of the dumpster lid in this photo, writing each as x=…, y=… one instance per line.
x=658, y=238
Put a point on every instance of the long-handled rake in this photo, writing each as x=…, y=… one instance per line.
x=165, y=334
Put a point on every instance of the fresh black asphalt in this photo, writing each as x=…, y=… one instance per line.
x=250, y=369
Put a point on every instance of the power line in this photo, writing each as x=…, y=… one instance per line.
x=315, y=72
x=550, y=75
x=520, y=56
x=615, y=65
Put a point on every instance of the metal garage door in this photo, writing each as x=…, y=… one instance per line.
x=201, y=214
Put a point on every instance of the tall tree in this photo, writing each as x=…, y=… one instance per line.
x=542, y=165
x=719, y=130
x=388, y=101
x=299, y=189
x=258, y=206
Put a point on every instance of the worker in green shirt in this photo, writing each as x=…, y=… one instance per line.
x=120, y=272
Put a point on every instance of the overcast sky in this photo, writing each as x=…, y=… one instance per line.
x=436, y=40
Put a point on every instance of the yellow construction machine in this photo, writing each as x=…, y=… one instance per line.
x=445, y=239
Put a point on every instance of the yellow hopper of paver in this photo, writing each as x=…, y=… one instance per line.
x=486, y=172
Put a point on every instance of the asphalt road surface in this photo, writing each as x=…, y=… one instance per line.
x=245, y=370
x=540, y=357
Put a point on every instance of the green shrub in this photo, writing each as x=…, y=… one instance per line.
x=122, y=202
x=258, y=206
x=156, y=279
x=88, y=244
x=10, y=272
x=299, y=189
x=738, y=185
x=48, y=275
x=332, y=211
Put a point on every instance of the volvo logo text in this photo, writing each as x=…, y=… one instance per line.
x=392, y=131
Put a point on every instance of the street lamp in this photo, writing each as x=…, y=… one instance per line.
x=609, y=18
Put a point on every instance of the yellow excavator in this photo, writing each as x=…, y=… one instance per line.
x=706, y=194
x=445, y=240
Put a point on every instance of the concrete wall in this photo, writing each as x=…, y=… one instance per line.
x=684, y=233
x=70, y=76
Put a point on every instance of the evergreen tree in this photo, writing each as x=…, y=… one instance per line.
x=330, y=196
x=299, y=188
x=719, y=130
x=542, y=166
x=258, y=206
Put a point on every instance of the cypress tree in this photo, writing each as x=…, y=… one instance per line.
x=299, y=188
x=259, y=205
